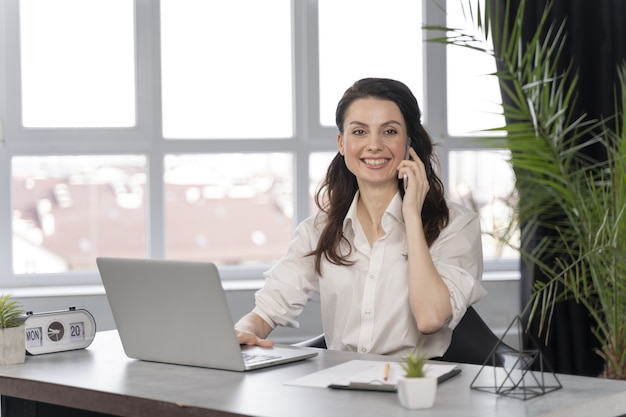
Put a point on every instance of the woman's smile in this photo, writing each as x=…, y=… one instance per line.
x=375, y=163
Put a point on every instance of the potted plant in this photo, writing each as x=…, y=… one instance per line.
x=579, y=200
x=415, y=388
x=12, y=336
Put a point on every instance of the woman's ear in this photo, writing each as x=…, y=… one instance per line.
x=340, y=143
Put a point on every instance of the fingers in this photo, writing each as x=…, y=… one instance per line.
x=264, y=342
x=247, y=338
x=415, y=172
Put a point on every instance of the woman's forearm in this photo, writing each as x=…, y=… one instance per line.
x=428, y=294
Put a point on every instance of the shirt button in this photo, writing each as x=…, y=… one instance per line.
x=372, y=276
x=367, y=312
x=363, y=350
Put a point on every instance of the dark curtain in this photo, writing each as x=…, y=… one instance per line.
x=596, y=45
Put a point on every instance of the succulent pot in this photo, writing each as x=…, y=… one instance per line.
x=415, y=393
x=12, y=345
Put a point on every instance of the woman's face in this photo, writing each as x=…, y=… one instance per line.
x=374, y=140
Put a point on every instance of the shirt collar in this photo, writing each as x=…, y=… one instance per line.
x=394, y=209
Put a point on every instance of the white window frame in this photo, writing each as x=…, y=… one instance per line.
x=147, y=138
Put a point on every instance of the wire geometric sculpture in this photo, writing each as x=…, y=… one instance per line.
x=521, y=374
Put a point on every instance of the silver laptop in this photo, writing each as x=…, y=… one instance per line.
x=176, y=312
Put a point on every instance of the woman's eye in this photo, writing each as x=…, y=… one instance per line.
x=391, y=132
x=358, y=132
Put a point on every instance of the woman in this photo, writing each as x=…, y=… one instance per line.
x=393, y=264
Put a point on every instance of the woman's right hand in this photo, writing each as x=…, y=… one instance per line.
x=250, y=327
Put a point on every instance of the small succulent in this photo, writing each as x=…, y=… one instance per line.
x=413, y=365
x=10, y=312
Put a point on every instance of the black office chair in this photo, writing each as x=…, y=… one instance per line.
x=318, y=341
x=472, y=342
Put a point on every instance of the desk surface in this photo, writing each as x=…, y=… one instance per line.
x=101, y=378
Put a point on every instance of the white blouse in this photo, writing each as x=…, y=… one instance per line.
x=365, y=306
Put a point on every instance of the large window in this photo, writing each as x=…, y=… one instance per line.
x=189, y=129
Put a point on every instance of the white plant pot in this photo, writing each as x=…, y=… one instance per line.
x=12, y=345
x=417, y=393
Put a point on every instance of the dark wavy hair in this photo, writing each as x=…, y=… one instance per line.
x=337, y=191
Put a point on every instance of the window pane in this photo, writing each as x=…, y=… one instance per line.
x=228, y=208
x=367, y=38
x=77, y=63
x=474, y=100
x=69, y=209
x=226, y=68
x=484, y=181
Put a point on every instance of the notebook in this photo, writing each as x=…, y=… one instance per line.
x=176, y=312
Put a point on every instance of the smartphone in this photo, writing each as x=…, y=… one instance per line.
x=407, y=156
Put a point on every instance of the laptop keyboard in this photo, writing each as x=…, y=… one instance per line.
x=250, y=358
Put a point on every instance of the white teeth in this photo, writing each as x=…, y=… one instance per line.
x=375, y=161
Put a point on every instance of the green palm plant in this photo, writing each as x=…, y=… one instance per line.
x=581, y=201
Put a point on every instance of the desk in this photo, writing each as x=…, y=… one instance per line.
x=102, y=379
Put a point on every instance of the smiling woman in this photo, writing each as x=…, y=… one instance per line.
x=393, y=268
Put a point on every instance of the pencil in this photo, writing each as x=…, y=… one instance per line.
x=386, y=377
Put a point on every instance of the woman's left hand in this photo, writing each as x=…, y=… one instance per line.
x=417, y=185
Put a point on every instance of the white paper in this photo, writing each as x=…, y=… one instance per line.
x=325, y=377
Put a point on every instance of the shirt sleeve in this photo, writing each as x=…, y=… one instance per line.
x=457, y=254
x=291, y=281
